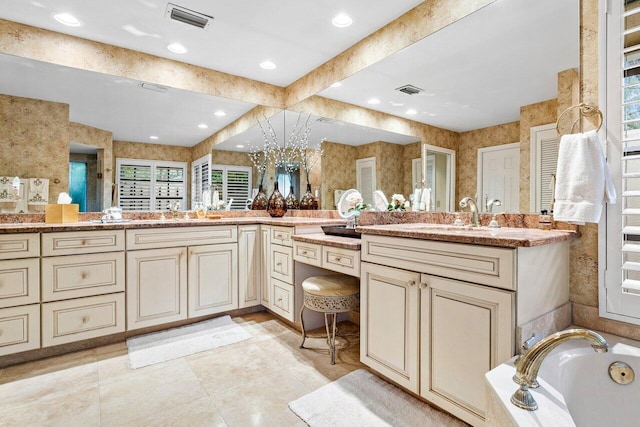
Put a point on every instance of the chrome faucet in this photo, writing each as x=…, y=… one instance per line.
x=529, y=363
x=473, y=207
x=493, y=202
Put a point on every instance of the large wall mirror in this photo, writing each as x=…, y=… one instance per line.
x=485, y=81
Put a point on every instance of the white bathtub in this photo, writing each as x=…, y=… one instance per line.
x=575, y=389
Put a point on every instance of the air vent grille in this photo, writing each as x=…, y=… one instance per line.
x=154, y=87
x=410, y=89
x=187, y=16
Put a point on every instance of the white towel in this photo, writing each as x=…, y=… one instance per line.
x=6, y=190
x=38, y=192
x=425, y=202
x=583, y=180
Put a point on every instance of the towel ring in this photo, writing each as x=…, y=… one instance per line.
x=585, y=110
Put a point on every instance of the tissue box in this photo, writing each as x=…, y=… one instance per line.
x=56, y=214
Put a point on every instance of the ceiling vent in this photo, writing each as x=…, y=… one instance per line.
x=410, y=89
x=188, y=16
x=154, y=87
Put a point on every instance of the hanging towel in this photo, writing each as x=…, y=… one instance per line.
x=583, y=180
x=38, y=192
x=6, y=190
x=425, y=201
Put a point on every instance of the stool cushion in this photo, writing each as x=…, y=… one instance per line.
x=331, y=285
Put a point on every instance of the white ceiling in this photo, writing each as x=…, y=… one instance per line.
x=297, y=35
x=477, y=72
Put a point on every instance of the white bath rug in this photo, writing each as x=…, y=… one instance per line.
x=145, y=350
x=362, y=399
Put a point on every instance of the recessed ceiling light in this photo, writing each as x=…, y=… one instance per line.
x=336, y=84
x=177, y=48
x=203, y=126
x=67, y=19
x=239, y=146
x=432, y=114
x=220, y=113
x=342, y=20
x=267, y=65
x=396, y=104
x=153, y=137
x=411, y=112
x=374, y=101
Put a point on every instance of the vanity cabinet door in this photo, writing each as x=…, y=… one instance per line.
x=265, y=273
x=389, y=323
x=156, y=287
x=213, y=279
x=249, y=266
x=465, y=331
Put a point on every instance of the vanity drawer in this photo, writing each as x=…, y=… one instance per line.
x=282, y=299
x=82, y=242
x=67, y=277
x=485, y=265
x=19, y=245
x=19, y=282
x=157, y=238
x=341, y=260
x=282, y=263
x=282, y=235
x=82, y=318
x=19, y=329
x=308, y=253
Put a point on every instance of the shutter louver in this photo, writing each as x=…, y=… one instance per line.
x=145, y=185
x=548, y=166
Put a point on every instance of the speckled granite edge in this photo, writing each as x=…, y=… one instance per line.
x=326, y=240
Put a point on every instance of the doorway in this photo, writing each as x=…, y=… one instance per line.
x=78, y=184
x=499, y=176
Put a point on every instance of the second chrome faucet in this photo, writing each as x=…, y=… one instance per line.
x=473, y=208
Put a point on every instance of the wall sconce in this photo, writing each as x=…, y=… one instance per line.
x=16, y=188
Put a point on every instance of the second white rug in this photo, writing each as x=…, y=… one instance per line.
x=362, y=399
x=161, y=346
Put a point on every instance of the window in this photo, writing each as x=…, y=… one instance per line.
x=232, y=182
x=620, y=256
x=200, y=179
x=150, y=185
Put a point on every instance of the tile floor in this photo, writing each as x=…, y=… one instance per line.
x=244, y=384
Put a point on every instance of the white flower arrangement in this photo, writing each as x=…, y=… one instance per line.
x=356, y=204
x=398, y=203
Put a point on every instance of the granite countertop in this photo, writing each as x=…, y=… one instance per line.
x=36, y=227
x=327, y=240
x=504, y=236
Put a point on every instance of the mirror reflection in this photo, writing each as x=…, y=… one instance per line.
x=481, y=89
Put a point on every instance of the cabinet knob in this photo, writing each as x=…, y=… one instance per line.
x=304, y=253
x=412, y=283
x=423, y=286
x=337, y=259
x=85, y=319
x=83, y=243
x=84, y=275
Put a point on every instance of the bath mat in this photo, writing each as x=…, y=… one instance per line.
x=145, y=350
x=362, y=399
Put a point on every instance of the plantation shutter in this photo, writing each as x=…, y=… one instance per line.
x=145, y=185
x=548, y=166
x=200, y=179
x=621, y=291
x=232, y=182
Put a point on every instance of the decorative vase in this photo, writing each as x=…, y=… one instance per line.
x=292, y=200
x=276, y=206
x=260, y=201
x=308, y=201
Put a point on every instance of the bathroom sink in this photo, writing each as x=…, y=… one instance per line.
x=340, y=230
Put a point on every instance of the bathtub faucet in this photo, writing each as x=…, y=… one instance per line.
x=529, y=363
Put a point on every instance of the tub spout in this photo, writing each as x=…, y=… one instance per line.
x=529, y=363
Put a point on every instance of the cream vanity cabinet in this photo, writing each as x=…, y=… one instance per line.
x=250, y=264
x=19, y=292
x=281, y=278
x=179, y=273
x=436, y=316
x=83, y=283
x=265, y=259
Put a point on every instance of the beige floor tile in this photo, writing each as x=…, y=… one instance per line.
x=145, y=392
x=202, y=412
x=44, y=366
x=111, y=350
x=46, y=386
x=79, y=406
x=243, y=362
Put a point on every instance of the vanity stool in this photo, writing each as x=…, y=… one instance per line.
x=331, y=294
